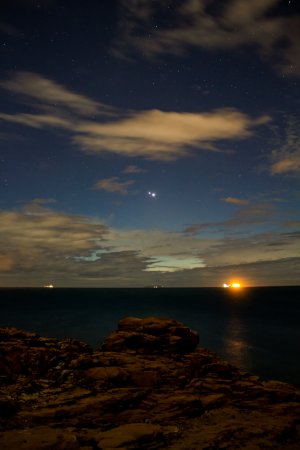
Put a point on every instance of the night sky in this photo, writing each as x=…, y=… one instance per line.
x=106, y=102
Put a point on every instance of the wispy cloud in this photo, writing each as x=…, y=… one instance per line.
x=35, y=208
x=154, y=135
x=258, y=214
x=286, y=157
x=196, y=23
x=280, y=200
x=237, y=201
x=133, y=169
x=49, y=92
x=112, y=185
x=287, y=165
x=43, y=200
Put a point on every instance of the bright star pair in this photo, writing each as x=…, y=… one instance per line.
x=153, y=195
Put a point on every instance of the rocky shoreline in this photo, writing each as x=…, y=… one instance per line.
x=147, y=387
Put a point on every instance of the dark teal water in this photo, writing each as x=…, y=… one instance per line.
x=255, y=329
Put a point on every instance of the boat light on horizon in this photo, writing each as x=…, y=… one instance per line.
x=49, y=286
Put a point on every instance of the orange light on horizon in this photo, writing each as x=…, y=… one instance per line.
x=234, y=285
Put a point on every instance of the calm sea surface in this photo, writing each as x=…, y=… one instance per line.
x=255, y=329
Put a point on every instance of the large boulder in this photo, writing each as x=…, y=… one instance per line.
x=153, y=335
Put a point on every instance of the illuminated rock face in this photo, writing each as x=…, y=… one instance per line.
x=140, y=390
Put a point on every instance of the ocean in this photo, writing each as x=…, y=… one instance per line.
x=255, y=329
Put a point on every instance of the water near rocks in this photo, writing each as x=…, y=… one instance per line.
x=255, y=329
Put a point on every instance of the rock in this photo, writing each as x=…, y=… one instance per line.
x=152, y=335
x=8, y=407
x=148, y=387
x=27, y=353
x=122, y=341
x=38, y=438
x=141, y=433
x=128, y=434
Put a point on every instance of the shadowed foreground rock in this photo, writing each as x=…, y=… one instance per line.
x=147, y=387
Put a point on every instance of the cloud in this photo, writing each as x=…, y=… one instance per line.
x=237, y=201
x=45, y=90
x=62, y=249
x=159, y=135
x=287, y=165
x=38, y=121
x=43, y=200
x=154, y=135
x=279, y=272
x=279, y=244
x=292, y=224
x=133, y=169
x=194, y=229
x=35, y=208
x=30, y=240
x=5, y=263
x=111, y=185
x=69, y=250
x=151, y=29
x=234, y=250
x=281, y=200
x=258, y=214
x=286, y=158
